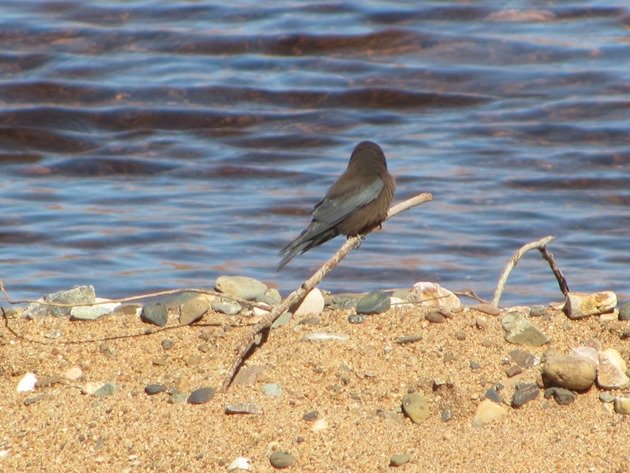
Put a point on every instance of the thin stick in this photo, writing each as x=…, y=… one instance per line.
x=562, y=282
x=518, y=254
x=254, y=338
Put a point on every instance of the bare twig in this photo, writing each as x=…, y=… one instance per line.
x=472, y=294
x=562, y=282
x=254, y=338
x=518, y=254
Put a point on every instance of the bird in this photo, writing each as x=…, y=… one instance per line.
x=354, y=205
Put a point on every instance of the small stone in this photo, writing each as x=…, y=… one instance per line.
x=192, y=360
x=492, y=394
x=177, y=397
x=155, y=313
x=569, y=372
x=522, y=332
x=33, y=399
x=416, y=408
x=281, y=460
x=611, y=373
x=345, y=301
x=588, y=353
x=74, y=374
x=562, y=396
x=201, y=395
x=313, y=304
x=487, y=309
x=310, y=321
x=446, y=415
x=319, y=425
x=271, y=390
x=408, y=339
x=584, y=304
x=271, y=297
x=357, y=319
x=282, y=320
x=606, y=396
x=460, y=335
x=27, y=383
x=99, y=389
x=624, y=312
x=127, y=310
x=46, y=381
x=474, y=365
x=374, y=303
x=226, y=306
x=241, y=408
x=152, y=389
x=240, y=463
x=193, y=310
x=399, y=459
x=325, y=337
x=247, y=375
x=622, y=405
x=537, y=311
x=311, y=416
x=86, y=312
x=436, y=317
x=241, y=287
x=166, y=344
x=159, y=361
x=625, y=335
x=430, y=294
x=487, y=412
x=524, y=393
x=481, y=322
x=513, y=371
x=78, y=295
x=523, y=358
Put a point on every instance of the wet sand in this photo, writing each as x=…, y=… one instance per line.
x=356, y=387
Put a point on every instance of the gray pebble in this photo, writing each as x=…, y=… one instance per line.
x=78, y=295
x=524, y=393
x=243, y=409
x=560, y=395
x=446, y=415
x=345, y=301
x=152, y=389
x=399, y=459
x=272, y=389
x=436, y=317
x=357, y=318
x=167, y=344
x=282, y=320
x=605, y=396
x=537, y=311
x=226, y=306
x=474, y=365
x=408, y=339
x=522, y=332
x=624, y=312
x=201, y=395
x=281, y=460
x=493, y=395
x=311, y=416
x=106, y=389
x=241, y=287
x=310, y=321
x=33, y=399
x=374, y=303
x=155, y=313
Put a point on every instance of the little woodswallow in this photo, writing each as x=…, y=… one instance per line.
x=355, y=204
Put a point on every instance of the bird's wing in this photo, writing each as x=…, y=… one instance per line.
x=334, y=208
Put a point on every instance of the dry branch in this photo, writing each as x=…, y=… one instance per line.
x=254, y=338
x=541, y=245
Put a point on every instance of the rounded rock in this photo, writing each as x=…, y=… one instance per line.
x=152, y=389
x=416, y=408
x=155, y=313
x=225, y=306
x=399, y=460
x=201, y=395
x=624, y=312
x=241, y=287
x=569, y=372
x=374, y=303
x=281, y=460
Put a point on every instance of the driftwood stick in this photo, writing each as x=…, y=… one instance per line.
x=562, y=282
x=518, y=254
x=254, y=338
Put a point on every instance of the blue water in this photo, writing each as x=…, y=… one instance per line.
x=155, y=145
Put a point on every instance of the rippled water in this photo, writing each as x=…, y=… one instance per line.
x=148, y=145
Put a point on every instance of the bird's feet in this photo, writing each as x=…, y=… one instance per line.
x=360, y=239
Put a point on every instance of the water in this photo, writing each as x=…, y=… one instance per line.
x=154, y=145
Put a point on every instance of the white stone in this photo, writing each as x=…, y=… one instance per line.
x=319, y=425
x=92, y=387
x=313, y=303
x=487, y=412
x=611, y=373
x=397, y=302
x=93, y=312
x=588, y=353
x=240, y=463
x=435, y=296
x=584, y=304
x=74, y=374
x=27, y=383
x=325, y=337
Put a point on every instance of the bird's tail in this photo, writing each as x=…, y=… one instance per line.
x=303, y=243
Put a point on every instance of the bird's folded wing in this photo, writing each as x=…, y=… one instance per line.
x=334, y=208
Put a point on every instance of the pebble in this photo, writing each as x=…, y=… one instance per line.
x=325, y=337
x=271, y=389
x=584, y=304
x=624, y=312
x=159, y=361
x=487, y=309
x=398, y=303
x=78, y=295
x=562, y=396
x=374, y=303
x=524, y=393
x=313, y=303
x=460, y=335
x=474, y=365
x=513, y=371
x=33, y=399
x=310, y=321
x=284, y=319
x=408, y=339
x=569, y=372
x=86, y=312
x=622, y=405
x=319, y=425
x=588, y=353
x=606, y=396
x=242, y=408
x=128, y=309
x=492, y=394
x=46, y=381
x=611, y=373
x=201, y=395
x=357, y=318
x=345, y=301
x=271, y=297
x=99, y=389
x=241, y=287
x=152, y=389
x=226, y=306
x=522, y=332
x=523, y=358
x=74, y=374
x=281, y=460
x=415, y=407
x=27, y=383
x=155, y=313
x=446, y=415
x=625, y=335
x=167, y=344
x=487, y=412
x=311, y=416
x=399, y=459
x=537, y=311
x=193, y=310
x=247, y=375
x=177, y=397
x=192, y=360
x=436, y=317
x=240, y=463
x=430, y=294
